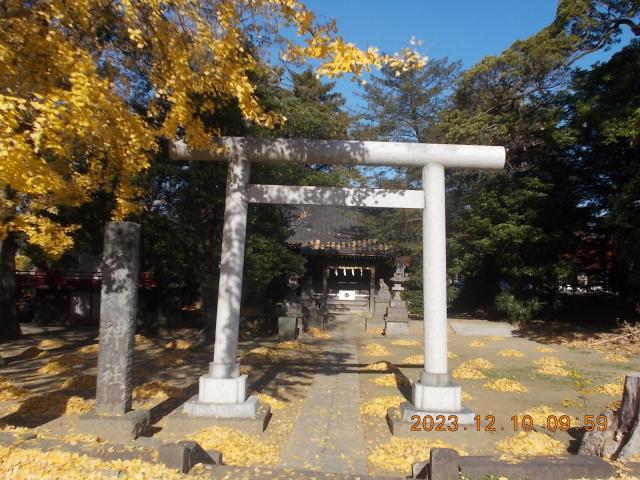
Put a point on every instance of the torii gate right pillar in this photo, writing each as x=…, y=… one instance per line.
x=435, y=393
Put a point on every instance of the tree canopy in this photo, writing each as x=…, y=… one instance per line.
x=571, y=147
x=87, y=88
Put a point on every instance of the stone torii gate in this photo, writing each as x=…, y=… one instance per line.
x=223, y=391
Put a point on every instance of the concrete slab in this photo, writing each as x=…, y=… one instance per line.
x=481, y=328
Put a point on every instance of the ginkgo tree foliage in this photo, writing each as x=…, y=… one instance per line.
x=88, y=86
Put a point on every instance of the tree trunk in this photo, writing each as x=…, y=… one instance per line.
x=9, y=323
x=621, y=439
x=209, y=304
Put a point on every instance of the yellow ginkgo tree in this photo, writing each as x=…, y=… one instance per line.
x=88, y=87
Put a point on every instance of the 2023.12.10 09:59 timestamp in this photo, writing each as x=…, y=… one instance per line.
x=449, y=423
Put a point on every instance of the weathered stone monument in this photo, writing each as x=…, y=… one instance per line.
x=310, y=313
x=396, y=320
x=223, y=390
x=113, y=417
x=381, y=302
x=287, y=323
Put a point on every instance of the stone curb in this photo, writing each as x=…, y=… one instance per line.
x=447, y=464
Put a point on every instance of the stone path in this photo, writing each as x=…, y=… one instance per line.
x=328, y=434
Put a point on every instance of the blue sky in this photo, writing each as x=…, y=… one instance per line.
x=465, y=30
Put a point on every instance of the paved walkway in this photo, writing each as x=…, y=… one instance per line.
x=328, y=435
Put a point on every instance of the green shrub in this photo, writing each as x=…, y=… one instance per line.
x=517, y=310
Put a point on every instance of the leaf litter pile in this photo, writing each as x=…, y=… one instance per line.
x=511, y=353
x=51, y=343
x=10, y=391
x=55, y=404
x=419, y=359
x=615, y=388
x=542, y=349
x=260, y=355
x=62, y=364
x=315, y=332
x=616, y=358
x=464, y=372
x=178, y=344
x=18, y=463
x=93, y=348
x=290, y=345
x=540, y=414
x=476, y=344
x=380, y=367
x=400, y=453
x=79, y=382
x=413, y=360
x=526, y=444
x=378, y=406
x=405, y=343
x=471, y=369
x=375, y=350
x=552, y=366
x=391, y=380
x=274, y=403
x=237, y=448
x=506, y=385
x=479, y=363
x=156, y=391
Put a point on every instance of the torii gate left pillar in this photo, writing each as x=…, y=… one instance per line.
x=223, y=391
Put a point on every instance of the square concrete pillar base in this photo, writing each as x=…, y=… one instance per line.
x=222, y=390
x=115, y=428
x=182, y=422
x=396, y=329
x=436, y=398
x=246, y=409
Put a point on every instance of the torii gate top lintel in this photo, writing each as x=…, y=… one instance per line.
x=346, y=152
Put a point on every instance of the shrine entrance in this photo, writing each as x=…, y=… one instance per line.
x=223, y=391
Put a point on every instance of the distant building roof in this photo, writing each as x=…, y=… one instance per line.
x=330, y=229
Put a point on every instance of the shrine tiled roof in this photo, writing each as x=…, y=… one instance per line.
x=333, y=230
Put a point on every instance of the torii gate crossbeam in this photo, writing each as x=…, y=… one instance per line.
x=223, y=390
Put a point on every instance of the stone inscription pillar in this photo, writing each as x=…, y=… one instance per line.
x=118, y=309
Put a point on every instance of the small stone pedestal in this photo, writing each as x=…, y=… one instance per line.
x=115, y=428
x=433, y=395
x=396, y=322
x=381, y=301
x=250, y=416
x=287, y=324
x=287, y=328
x=224, y=398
